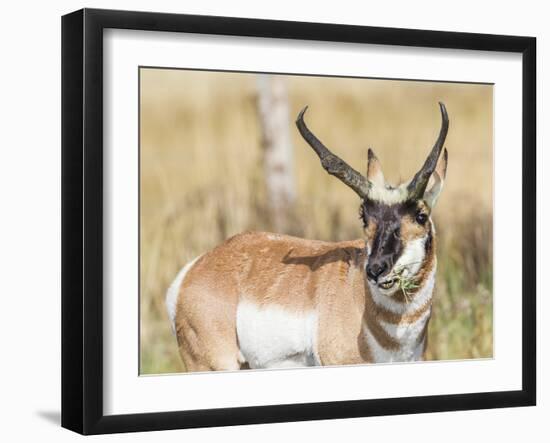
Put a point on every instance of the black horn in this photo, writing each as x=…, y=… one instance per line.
x=418, y=184
x=333, y=164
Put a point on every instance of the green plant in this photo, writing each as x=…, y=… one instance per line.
x=405, y=282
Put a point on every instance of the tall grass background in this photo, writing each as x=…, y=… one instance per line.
x=201, y=182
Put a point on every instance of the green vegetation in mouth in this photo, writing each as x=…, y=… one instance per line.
x=405, y=282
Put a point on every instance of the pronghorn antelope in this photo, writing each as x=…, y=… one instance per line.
x=262, y=300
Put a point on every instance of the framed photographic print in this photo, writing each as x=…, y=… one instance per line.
x=269, y=221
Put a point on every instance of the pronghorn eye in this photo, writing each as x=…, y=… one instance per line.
x=421, y=218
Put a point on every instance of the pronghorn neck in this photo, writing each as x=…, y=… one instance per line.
x=395, y=329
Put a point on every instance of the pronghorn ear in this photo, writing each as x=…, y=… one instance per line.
x=438, y=178
x=374, y=171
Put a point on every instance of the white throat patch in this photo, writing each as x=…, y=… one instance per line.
x=406, y=334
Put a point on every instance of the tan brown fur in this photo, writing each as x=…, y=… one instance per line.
x=295, y=274
x=380, y=313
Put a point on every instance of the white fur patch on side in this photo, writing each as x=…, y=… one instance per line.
x=272, y=337
x=171, y=300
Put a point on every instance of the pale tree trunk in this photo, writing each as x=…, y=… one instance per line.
x=278, y=158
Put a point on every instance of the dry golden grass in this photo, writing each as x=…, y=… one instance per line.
x=201, y=182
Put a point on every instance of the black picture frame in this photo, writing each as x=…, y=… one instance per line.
x=82, y=220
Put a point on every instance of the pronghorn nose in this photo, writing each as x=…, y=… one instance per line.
x=376, y=269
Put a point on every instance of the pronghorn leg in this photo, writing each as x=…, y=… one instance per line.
x=206, y=332
x=202, y=363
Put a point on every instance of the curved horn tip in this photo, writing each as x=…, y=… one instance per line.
x=443, y=110
x=302, y=112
